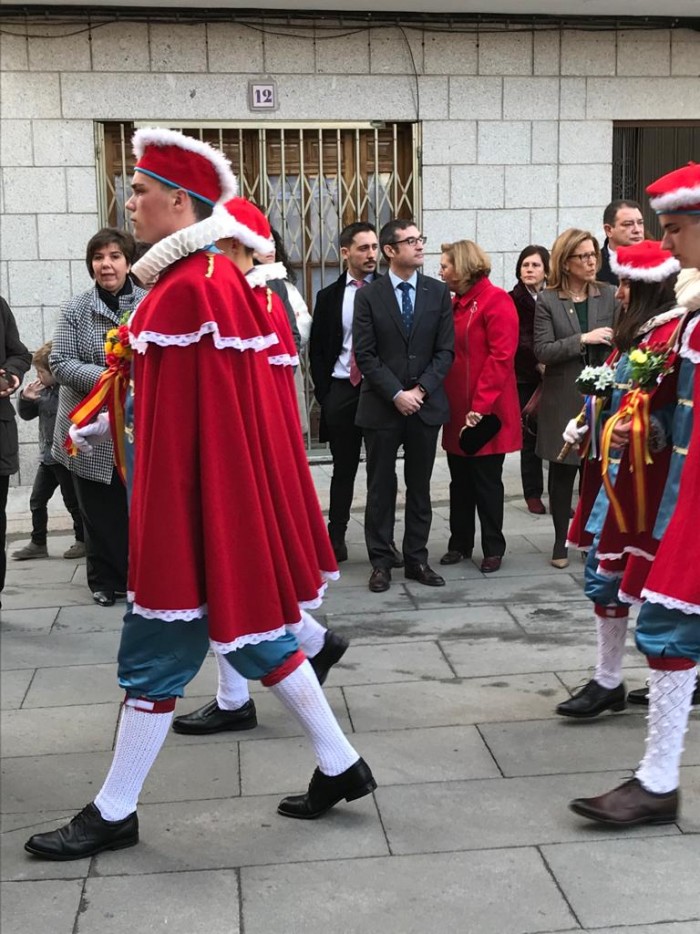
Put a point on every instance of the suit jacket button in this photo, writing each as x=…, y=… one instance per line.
x=411, y=356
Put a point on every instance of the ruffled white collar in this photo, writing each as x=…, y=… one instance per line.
x=260, y=275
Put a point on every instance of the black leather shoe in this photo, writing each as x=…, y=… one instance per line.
x=340, y=549
x=592, y=700
x=212, y=719
x=88, y=833
x=640, y=696
x=424, y=574
x=454, y=557
x=491, y=565
x=326, y=791
x=334, y=647
x=397, y=556
x=104, y=597
x=629, y=804
x=380, y=580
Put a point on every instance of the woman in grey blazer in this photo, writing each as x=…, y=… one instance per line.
x=573, y=328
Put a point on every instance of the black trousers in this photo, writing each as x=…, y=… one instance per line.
x=531, y=472
x=560, y=486
x=476, y=486
x=339, y=410
x=4, y=487
x=106, y=525
x=419, y=442
x=48, y=478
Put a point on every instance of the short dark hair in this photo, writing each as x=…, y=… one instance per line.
x=610, y=212
x=348, y=234
x=387, y=235
x=533, y=250
x=103, y=238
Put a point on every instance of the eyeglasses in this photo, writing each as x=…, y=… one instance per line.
x=411, y=241
x=584, y=257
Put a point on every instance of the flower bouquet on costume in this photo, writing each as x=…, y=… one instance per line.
x=109, y=391
x=649, y=364
x=595, y=383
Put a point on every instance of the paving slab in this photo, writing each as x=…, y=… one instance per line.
x=354, y=600
x=445, y=622
x=13, y=688
x=673, y=927
x=528, y=589
x=18, y=866
x=518, y=653
x=610, y=742
x=641, y=880
x=179, y=903
x=243, y=832
x=382, y=664
x=405, y=757
x=689, y=821
x=491, y=813
x=37, y=595
x=74, y=685
x=572, y=616
x=90, y=618
x=504, y=892
x=23, y=575
x=54, y=906
x=58, y=730
x=19, y=621
x=451, y=703
x=29, y=650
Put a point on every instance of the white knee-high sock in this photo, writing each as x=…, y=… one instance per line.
x=670, y=694
x=611, y=650
x=302, y=695
x=232, y=690
x=139, y=741
x=311, y=635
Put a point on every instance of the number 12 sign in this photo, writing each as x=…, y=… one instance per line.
x=262, y=95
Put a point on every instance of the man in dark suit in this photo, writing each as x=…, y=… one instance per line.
x=335, y=374
x=403, y=337
x=623, y=224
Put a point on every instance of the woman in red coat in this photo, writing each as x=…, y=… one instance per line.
x=481, y=382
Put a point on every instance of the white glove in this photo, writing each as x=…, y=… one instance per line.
x=98, y=432
x=572, y=434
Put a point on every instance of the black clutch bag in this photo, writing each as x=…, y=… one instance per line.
x=472, y=440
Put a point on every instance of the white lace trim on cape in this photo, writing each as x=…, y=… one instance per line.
x=609, y=575
x=284, y=359
x=260, y=342
x=628, y=598
x=686, y=351
x=671, y=603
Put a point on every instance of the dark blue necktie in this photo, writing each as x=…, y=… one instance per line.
x=406, y=306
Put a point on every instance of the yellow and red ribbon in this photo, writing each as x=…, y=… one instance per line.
x=635, y=406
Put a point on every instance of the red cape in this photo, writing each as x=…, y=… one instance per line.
x=225, y=519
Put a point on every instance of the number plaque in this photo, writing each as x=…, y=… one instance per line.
x=262, y=95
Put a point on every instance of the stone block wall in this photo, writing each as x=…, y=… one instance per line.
x=516, y=125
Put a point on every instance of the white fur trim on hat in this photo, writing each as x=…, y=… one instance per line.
x=680, y=198
x=160, y=136
x=239, y=231
x=658, y=273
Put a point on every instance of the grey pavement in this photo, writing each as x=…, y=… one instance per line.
x=448, y=693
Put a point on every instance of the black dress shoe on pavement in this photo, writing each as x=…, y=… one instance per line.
x=629, y=804
x=334, y=647
x=424, y=574
x=87, y=834
x=397, y=556
x=212, y=719
x=592, y=700
x=640, y=696
x=104, y=597
x=454, y=557
x=340, y=550
x=326, y=791
x=380, y=580
x=490, y=565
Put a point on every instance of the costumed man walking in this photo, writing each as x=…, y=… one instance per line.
x=233, y=708
x=227, y=540
x=668, y=625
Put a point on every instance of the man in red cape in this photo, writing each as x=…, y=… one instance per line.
x=668, y=625
x=227, y=540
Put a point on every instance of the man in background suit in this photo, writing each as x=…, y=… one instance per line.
x=336, y=377
x=403, y=337
x=623, y=224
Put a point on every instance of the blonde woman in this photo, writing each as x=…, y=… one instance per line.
x=573, y=326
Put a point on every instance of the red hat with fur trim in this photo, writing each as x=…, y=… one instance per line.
x=644, y=262
x=248, y=224
x=183, y=162
x=678, y=192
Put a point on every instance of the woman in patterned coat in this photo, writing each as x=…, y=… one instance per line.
x=77, y=361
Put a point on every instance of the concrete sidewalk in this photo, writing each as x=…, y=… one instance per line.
x=449, y=695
